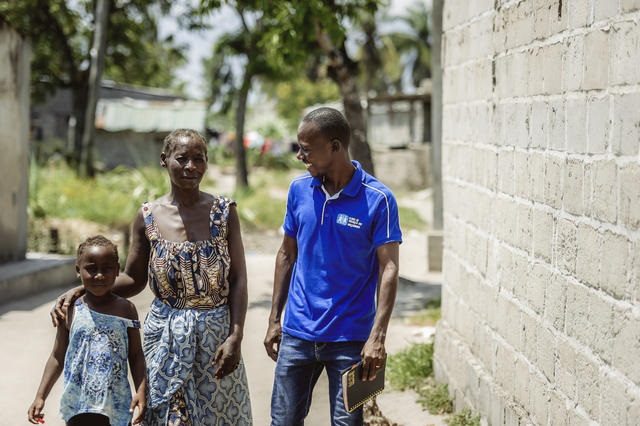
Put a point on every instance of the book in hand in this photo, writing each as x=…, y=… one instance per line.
x=355, y=391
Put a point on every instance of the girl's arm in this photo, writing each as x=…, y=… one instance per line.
x=227, y=355
x=138, y=368
x=52, y=371
x=134, y=277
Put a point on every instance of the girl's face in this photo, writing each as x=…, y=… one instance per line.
x=98, y=268
x=186, y=163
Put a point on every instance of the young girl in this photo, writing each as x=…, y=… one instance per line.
x=100, y=333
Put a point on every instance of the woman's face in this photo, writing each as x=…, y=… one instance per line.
x=186, y=163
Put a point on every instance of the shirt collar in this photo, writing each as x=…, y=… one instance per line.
x=354, y=184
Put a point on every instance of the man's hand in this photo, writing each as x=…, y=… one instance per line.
x=59, y=311
x=273, y=339
x=374, y=356
x=227, y=357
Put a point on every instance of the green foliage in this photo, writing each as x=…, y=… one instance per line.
x=436, y=398
x=61, y=31
x=297, y=94
x=110, y=198
x=464, y=418
x=410, y=219
x=409, y=368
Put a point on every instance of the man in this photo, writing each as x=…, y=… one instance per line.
x=336, y=271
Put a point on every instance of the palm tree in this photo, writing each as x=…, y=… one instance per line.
x=414, y=40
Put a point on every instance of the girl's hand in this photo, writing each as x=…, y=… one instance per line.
x=140, y=402
x=227, y=357
x=35, y=414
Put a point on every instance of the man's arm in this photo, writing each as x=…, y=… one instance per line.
x=285, y=259
x=373, y=353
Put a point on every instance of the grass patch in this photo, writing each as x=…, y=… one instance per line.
x=410, y=219
x=412, y=368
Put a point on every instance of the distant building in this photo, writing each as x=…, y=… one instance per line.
x=130, y=123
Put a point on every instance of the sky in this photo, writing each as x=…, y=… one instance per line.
x=200, y=43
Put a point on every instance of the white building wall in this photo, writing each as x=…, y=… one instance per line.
x=541, y=181
x=14, y=143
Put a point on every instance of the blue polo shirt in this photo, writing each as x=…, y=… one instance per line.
x=333, y=283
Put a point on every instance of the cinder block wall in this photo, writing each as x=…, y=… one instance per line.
x=14, y=143
x=541, y=181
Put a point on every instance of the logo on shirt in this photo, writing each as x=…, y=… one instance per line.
x=351, y=222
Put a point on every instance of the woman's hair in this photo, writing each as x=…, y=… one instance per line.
x=98, y=241
x=330, y=123
x=178, y=134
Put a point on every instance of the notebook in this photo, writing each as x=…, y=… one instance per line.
x=355, y=391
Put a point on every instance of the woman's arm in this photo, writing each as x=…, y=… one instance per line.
x=228, y=354
x=285, y=259
x=134, y=277
x=138, y=368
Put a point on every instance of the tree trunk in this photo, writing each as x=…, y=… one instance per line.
x=96, y=65
x=242, y=173
x=344, y=72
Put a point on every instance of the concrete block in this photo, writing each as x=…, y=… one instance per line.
x=579, y=14
x=573, y=192
x=629, y=5
x=614, y=265
x=577, y=314
x=573, y=63
x=538, y=122
x=535, y=81
x=604, y=190
x=557, y=409
x=523, y=186
x=596, y=73
x=624, y=58
x=541, y=275
x=540, y=399
x=588, y=385
x=543, y=231
x=557, y=125
x=626, y=125
x=535, y=172
x=601, y=314
x=589, y=242
x=614, y=402
x=603, y=10
x=529, y=339
x=577, y=125
x=546, y=353
x=555, y=301
x=553, y=58
x=565, y=369
x=598, y=125
x=506, y=171
x=629, y=197
x=37, y=273
x=542, y=19
x=524, y=231
x=553, y=181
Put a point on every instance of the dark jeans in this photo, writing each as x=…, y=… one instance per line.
x=300, y=363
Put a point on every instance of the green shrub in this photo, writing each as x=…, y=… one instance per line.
x=463, y=418
x=409, y=368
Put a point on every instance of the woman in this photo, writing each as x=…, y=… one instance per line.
x=187, y=245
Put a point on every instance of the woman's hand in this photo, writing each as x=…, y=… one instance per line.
x=227, y=357
x=59, y=311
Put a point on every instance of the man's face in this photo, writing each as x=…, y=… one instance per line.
x=314, y=149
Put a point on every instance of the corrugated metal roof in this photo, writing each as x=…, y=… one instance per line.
x=114, y=115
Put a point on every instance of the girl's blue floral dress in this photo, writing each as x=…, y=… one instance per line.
x=95, y=366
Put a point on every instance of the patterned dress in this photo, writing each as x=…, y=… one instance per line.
x=187, y=322
x=95, y=366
